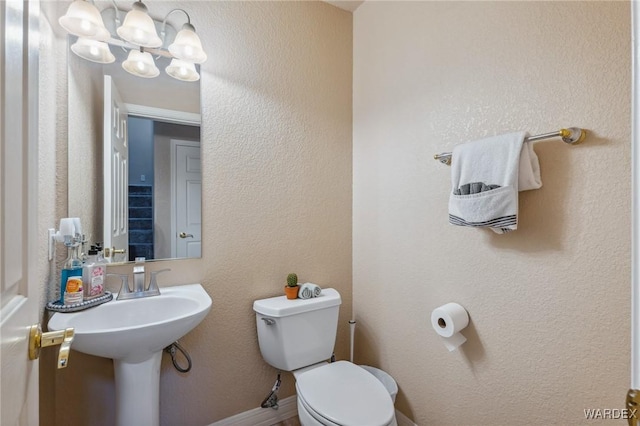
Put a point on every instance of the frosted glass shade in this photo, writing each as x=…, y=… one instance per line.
x=93, y=50
x=84, y=20
x=182, y=70
x=187, y=45
x=138, y=28
x=140, y=64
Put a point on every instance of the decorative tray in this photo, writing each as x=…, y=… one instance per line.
x=58, y=307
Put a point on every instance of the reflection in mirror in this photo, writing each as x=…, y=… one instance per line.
x=134, y=167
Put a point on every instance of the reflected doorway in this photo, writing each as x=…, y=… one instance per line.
x=158, y=190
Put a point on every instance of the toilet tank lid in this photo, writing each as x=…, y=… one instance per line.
x=280, y=306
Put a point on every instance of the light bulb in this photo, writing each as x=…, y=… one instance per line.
x=85, y=25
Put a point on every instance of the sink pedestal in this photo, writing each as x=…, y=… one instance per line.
x=138, y=391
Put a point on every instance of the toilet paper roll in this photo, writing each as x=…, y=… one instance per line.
x=448, y=320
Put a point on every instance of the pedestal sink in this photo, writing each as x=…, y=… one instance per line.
x=133, y=333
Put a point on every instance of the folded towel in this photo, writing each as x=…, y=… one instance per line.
x=486, y=176
x=309, y=290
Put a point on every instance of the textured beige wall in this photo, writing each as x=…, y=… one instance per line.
x=276, y=137
x=85, y=155
x=549, y=303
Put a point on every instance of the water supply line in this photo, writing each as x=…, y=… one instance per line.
x=352, y=329
x=271, y=401
x=171, y=350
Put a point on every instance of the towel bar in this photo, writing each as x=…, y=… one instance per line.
x=572, y=136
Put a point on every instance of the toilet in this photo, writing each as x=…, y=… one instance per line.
x=299, y=336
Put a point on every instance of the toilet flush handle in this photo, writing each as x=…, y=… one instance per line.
x=268, y=321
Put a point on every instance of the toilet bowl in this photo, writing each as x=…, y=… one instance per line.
x=299, y=336
x=342, y=394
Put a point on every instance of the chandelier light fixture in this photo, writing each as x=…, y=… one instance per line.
x=138, y=34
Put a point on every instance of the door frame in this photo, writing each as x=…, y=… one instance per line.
x=115, y=208
x=162, y=114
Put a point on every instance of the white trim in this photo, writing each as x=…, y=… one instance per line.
x=172, y=195
x=288, y=408
x=166, y=115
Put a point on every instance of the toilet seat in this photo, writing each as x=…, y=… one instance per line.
x=343, y=394
x=310, y=412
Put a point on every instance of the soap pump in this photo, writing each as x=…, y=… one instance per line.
x=93, y=273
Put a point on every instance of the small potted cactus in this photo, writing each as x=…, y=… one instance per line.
x=291, y=289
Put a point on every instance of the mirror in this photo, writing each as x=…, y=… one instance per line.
x=147, y=200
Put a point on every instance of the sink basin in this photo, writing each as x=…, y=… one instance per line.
x=133, y=333
x=135, y=329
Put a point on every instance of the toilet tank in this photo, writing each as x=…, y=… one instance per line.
x=297, y=333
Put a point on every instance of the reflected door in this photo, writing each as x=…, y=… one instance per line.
x=116, y=172
x=187, y=175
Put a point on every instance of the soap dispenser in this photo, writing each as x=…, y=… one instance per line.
x=93, y=274
x=71, y=291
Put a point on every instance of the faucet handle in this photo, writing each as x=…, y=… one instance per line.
x=153, y=283
x=124, y=289
x=138, y=266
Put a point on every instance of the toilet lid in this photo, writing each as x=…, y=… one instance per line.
x=346, y=394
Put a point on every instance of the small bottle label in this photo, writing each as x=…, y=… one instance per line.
x=73, y=291
x=97, y=281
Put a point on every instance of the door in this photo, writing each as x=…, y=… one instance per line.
x=187, y=190
x=18, y=219
x=116, y=172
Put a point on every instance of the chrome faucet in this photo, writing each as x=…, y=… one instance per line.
x=138, y=275
x=139, y=288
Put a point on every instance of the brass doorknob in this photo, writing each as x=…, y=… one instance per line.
x=185, y=235
x=38, y=339
x=108, y=252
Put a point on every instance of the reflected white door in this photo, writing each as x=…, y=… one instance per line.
x=116, y=171
x=18, y=220
x=187, y=189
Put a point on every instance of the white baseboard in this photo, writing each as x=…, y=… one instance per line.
x=403, y=420
x=288, y=408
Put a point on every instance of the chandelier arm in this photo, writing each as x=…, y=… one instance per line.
x=117, y=18
x=164, y=22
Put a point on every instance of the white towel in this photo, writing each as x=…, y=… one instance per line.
x=486, y=176
x=309, y=290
